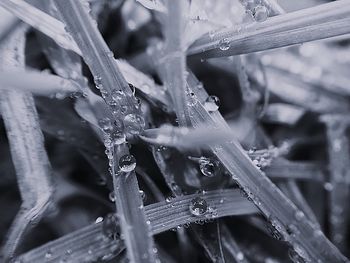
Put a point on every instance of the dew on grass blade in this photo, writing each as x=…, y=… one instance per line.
x=127, y=163
x=260, y=13
x=208, y=167
x=133, y=124
x=212, y=103
x=198, y=206
x=224, y=44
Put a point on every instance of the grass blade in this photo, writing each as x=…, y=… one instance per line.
x=28, y=152
x=89, y=243
x=338, y=156
x=42, y=22
x=175, y=60
x=309, y=24
x=109, y=79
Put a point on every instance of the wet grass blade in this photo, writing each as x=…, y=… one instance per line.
x=175, y=58
x=281, y=212
x=338, y=167
x=109, y=79
x=38, y=83
x=309, y=24
x=89, y=243
x=42, y=22
x=28, y=152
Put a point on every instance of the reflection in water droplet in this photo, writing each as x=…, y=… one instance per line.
x=127, y=163
x=208, y=167
x=198, y=206
x=133, y=124
x=224, y=44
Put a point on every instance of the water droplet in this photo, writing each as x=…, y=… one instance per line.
x=127, y=163
x=118, y=137
x=106, y=125
x=145, y=88
x=260, y=13
x=224, y=44
x=118, y=95
x=98, y=81
x=134, y=124
x=111, y=196
x=240, y=256
x=110, y=227
x=48, y=254
x=299, y=215
x=212, y=103
x=99, y=219
x=208, y=167
x=328, y=186
x=198, y=206
x=142, y=194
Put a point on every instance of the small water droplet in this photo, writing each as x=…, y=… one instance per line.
x=106, y=125
x=134, y=124
x=260, y=13
x=212, y=103
x=240, y=256
x=127, y=163
x=198, y=206
x=299, y=215
x=224, y=44
x=118, y=137
x=142, y=194
x=99, y=219
x=328, y=186
x=118, y=95
x=111, y=196
x=48, y=254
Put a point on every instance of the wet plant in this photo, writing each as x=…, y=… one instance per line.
x=174, y=130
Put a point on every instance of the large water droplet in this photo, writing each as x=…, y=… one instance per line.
x=208, y=167
x=127, y=163
x=224, y=44
x=133, y=124
x=212, y=103
x=198, y=206
x=261, y=13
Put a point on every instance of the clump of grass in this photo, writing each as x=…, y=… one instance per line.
x=135, y=146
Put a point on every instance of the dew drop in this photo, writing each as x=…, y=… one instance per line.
x=299, y=215
x=133, y=124
x=198, y=206
x=118, y=95
x=260, y=13
x=48, y=254
x=99, y=220
x=240, y=256
x=111, y=196
x=212, y=103
x=127, y=163
x=142, y=194
x=224, y=44
x=118, y=137
x=208, y=167
x=106, y=125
